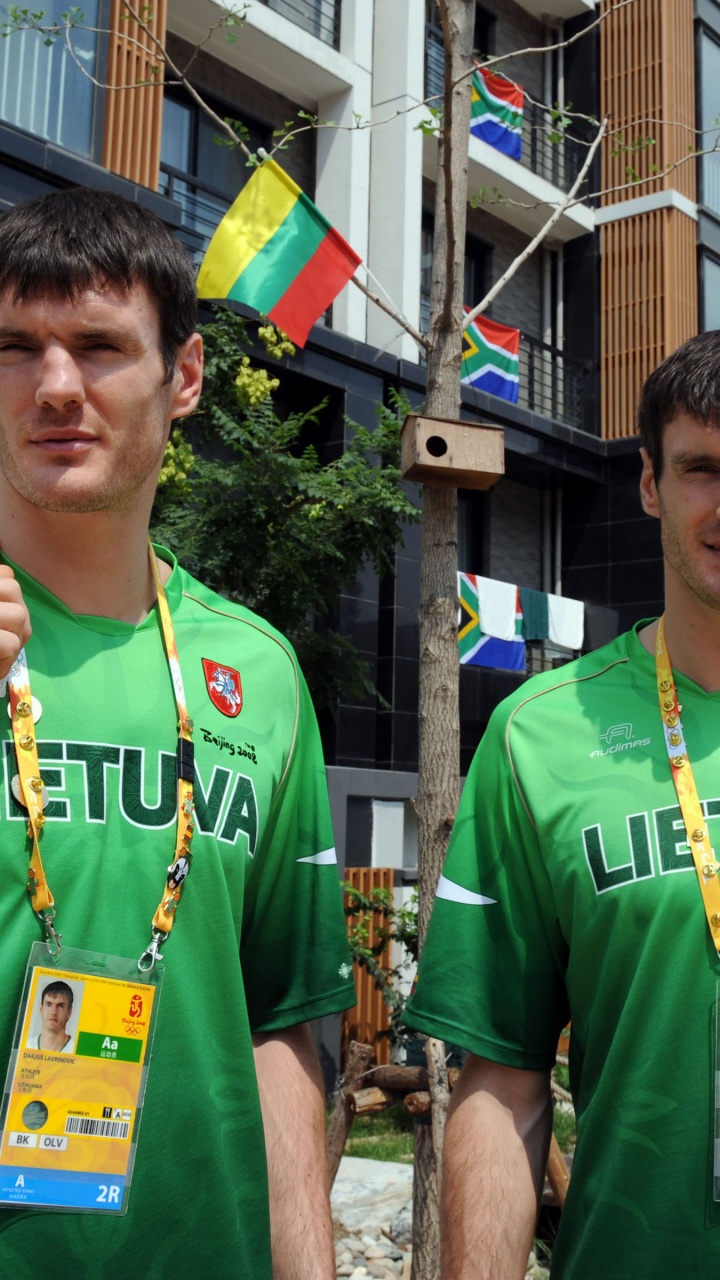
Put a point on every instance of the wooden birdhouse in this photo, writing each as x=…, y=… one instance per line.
x=442, y=451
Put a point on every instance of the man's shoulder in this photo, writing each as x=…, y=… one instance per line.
x=204, y=598
x=548, y=690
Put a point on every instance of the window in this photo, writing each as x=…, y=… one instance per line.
x=710, y=292
x=709, y=116
x=202, y=174
x=483, y=41
x=43, y=90
x=320, y=17
x=477, y=261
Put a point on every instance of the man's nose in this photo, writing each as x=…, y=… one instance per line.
x=61, y=385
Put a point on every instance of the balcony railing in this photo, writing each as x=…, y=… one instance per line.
x=560, y=161
x=320, y=17
x=202, y=207
x=557, y=386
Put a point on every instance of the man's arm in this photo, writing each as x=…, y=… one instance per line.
x=293, y=1109
x=494, y=1157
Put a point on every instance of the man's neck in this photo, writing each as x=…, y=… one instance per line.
x=52, y=1041
x=692, y=635
x=96, y=564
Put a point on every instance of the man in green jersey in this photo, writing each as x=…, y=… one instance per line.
x=98, y=356
x=570, y=892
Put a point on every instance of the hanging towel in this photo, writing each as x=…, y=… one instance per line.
x=535, y=614
x=497, y=604
x=566, y=619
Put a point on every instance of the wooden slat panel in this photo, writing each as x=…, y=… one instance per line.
x=649, y=305
x=133, y=115
x=648, y=263
x=370, y=1015
x=648, y=86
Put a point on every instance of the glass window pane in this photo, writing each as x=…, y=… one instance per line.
x=711, y=293
x=221, y=167
x=42, y=89
x=176, y=135
x=710, y=120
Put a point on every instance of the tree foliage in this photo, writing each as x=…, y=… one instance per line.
x=258, y=517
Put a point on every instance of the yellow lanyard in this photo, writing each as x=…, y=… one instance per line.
x=34, y=794
x=682, y=775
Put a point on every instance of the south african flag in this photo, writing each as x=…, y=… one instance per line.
x=491, y=358
x=478, y=649
x=496, y=112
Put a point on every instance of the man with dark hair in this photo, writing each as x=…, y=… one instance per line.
x=56, y=1004
x=121, y=652
x=582, y=883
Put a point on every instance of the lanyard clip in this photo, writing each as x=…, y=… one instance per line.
x=52, y=937
x=151, y=955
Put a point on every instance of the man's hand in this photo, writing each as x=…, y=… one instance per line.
x=494, y=1156
x=15, y=629
x=293, y=1110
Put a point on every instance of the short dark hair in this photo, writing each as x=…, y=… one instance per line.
x=66, y=241
x=58, y=989
x=688, y=381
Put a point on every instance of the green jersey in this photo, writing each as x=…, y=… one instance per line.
x=569, y=891
x=259, y=943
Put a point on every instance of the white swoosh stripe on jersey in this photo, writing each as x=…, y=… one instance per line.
x=455, y=893
x=328, y=858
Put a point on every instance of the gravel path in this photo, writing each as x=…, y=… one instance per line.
x=372, y=1215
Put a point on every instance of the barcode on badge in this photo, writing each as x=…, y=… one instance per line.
x=97, y=1128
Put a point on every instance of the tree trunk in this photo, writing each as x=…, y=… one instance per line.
x=439, y=713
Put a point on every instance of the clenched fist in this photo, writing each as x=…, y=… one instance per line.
x=15, y=627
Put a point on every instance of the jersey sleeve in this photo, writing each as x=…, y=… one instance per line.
x=294, y=947
x=491, y=975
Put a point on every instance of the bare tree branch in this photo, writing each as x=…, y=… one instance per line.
x=542, y=233
x=421, y=338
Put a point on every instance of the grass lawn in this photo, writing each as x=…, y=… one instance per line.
x=388, y=1135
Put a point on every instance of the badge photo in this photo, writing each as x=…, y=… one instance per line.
x=224, y=687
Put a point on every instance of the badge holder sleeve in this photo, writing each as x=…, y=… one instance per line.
x=71, y=1116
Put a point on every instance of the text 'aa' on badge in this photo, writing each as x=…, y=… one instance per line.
x=224, y=687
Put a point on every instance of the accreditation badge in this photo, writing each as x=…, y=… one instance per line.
x=75, y=1084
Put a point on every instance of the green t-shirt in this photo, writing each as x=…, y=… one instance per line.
x=569, y=891
x=259, y=942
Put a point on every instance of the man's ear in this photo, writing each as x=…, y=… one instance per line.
x=188, y=377
x=648, y=487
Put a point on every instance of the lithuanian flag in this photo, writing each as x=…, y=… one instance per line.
x=275, y=251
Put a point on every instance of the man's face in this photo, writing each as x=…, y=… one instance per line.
x=55, y=1011
x=84, y=407
x=687, y=501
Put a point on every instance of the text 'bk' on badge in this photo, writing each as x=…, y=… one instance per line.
x=224, y=687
